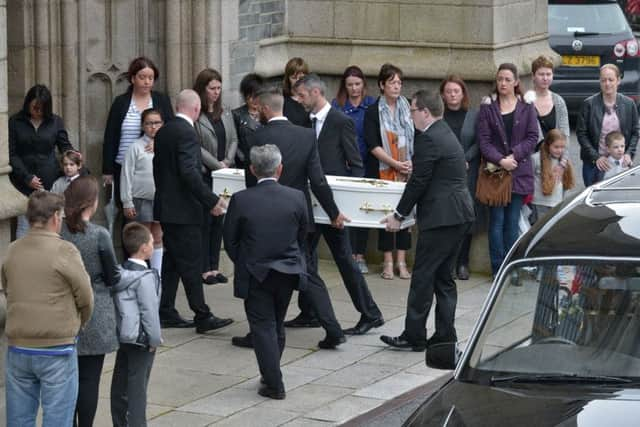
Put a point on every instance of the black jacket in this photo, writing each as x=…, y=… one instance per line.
x=589, y=125
x=32, y=152
x=301, y=163
x=438, y=184
x=117, y=113
x=295, y=112
x=181, y=193
x=338, y=147
x=245, y=125
x=272, y=238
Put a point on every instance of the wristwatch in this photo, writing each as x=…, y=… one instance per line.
x=397, y=216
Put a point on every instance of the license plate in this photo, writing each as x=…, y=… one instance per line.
x=580, y=61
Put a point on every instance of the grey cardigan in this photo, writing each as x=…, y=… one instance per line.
x=562, y=117
x=209, y=140
x=99, y=334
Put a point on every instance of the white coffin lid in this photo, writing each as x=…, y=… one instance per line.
x=348, y=193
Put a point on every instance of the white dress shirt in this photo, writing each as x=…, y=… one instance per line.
x=319, y=118
x=184, y=116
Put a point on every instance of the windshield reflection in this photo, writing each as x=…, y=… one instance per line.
x=577, y=318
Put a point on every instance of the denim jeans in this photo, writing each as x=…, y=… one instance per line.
x=503, y=230
x=22, y=226
x=29, y=378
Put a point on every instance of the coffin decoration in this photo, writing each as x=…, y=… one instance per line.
x=365, y=201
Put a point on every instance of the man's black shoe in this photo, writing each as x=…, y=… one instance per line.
x=364, y=326
x=330, y=343
x=439, y=340
x=266, y=391
x=178, y=322
x=401, y=342
x=221, y=278
x=211, y=280
x=463, y=272
x=302, y=321
x=245, y=341
x=211, y=323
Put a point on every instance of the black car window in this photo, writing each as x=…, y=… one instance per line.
x=565, y=19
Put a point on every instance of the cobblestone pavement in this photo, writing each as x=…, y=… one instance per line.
x=202, y=380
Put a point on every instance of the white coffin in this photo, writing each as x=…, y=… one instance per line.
x=365, y=201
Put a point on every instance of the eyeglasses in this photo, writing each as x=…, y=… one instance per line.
x=153, y=124
x=413, y=110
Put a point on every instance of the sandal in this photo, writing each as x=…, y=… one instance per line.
x=387, y=270
x=403, y=273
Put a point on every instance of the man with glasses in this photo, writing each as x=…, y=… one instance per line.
x=438, y=186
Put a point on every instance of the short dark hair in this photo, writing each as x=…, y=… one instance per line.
x=613, y=136
x=134, y=235
x=140, y=63
x=42, y=96
x=250, y=84
x=73, y=155
x=79, y=195
x=430, y=100
x=42, y=206
x=387, y=72
x=310, y=82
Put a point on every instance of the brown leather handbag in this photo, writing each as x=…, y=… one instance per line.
x=494, y=185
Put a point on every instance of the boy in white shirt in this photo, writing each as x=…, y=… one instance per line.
x=615, y=147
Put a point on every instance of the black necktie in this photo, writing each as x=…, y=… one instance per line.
x=617, y=162
x=314, y=123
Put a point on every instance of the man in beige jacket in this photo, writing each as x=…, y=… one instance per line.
x=49, y=297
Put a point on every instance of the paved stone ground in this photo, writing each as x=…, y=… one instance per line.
x=202, y=380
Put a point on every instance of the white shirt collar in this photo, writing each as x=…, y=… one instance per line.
x=278, y=118
x=266, y=179
x=73, y=178
x=429, y=125
x=188, y=119
x=322, y=114
x=139, y=261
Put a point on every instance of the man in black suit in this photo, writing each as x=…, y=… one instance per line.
x=438, y=186
x=267, y=249
x=339, y=155
x=301, y=168
x=178, y=205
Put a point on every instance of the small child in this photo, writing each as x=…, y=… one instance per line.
x=137, y=301
x=615, y=147
x=71, y=164
x=553, y=174
x=137, y=188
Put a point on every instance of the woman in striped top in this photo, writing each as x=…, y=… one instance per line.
x=124, y=121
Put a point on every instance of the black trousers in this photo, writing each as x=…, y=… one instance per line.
x=340, y=247
x=182, y=260
x=129, y=386
x=464, y=251
x=358, y=237
x=211, y=241
x=400, y=240
x=435, y=255
x=266, y=307
x=89, y=370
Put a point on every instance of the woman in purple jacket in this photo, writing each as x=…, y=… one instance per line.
x=507, y=133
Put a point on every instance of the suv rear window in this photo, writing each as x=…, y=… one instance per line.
x=565, y=19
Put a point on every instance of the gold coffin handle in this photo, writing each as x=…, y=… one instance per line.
x=226, y=194
x=368, y=207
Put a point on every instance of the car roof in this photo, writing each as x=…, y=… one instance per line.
x=603, y=220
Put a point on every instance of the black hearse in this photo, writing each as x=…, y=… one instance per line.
x=558, y=340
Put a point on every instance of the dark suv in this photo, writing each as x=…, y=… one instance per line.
x=589, y=34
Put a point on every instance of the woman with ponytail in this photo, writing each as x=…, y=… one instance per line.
x=99, y=335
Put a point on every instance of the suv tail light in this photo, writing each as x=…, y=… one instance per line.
x=626, y=47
